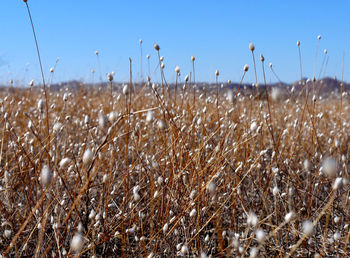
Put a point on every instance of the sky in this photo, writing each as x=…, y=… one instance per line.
x=217, y=33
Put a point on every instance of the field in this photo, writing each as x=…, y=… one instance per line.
x=148, y=168
x=142, y=171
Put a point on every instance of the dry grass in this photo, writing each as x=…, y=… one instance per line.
x=187, y=178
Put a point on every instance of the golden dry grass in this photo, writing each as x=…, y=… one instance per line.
x=208, y=178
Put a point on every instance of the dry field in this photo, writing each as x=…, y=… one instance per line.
x=127, y=172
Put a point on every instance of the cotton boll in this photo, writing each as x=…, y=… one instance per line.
x=88, y=156
x=253, y=127
x=251, y=46
x=77, y=242
x=260, y=235
x=64, y=162
x=161, y=124
x=275, y=93
x=329, y=166
x=46, y=175
x=307, y=165
x=308, y=227
x=126, y=90
x=149, y=116
x=289, y=217
x=252, y=219
x=184, y=249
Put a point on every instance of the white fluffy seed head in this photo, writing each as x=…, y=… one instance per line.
x=177, y=70
x=246, y=68
x=184, y=249
x=308, y=227
x=7, y=233
x=57, y=127
x=64, y=163
x=105, y=178
x=77, y=242
x=193, y=212
x=253, y=252
x=336, y=236
x=275, y=190
x=41, y=105
x=211, y=187
x=52, y=70
x=338, y=182
x=96, y=52
x=253, y=127
x=251, y=46
x=262, y=58
x=31, y=83
x=110, y=77
x=307, y=165
x=125, y=89
x=149, y=116
x=289, y=216
x=165, y=228
x=329, y=166
x=230, y=96
x=46, y=176
x=137, y=196
x=86, y=119
x=275, y=93
x=65, y=96
x=319, y=37
x=193, y=58
x=162, y=66
x=156, y=46
x=161, y=124
x=88, y=156
x=252, y=219
x=325, y=51
x=217, y=73
x=112, y=116
x=260, y=235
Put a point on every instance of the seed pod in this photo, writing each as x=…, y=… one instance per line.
x=110, y=77
x=156, y=46
x=262, y=59
x=251, y=47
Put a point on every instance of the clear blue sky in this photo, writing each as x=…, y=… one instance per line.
x=217, y=33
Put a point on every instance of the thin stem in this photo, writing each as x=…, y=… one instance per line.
x=42, y=76
x=315, y=60
x=177, y=75
x=323, y=62
x=256, y=77
x=341, y=84
x=161, y=73
x=268, y=107
x=274, y=73
x=111, y=84
x=240, y=83
x=141, y=61
x=37, y=45
x=300, y=63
